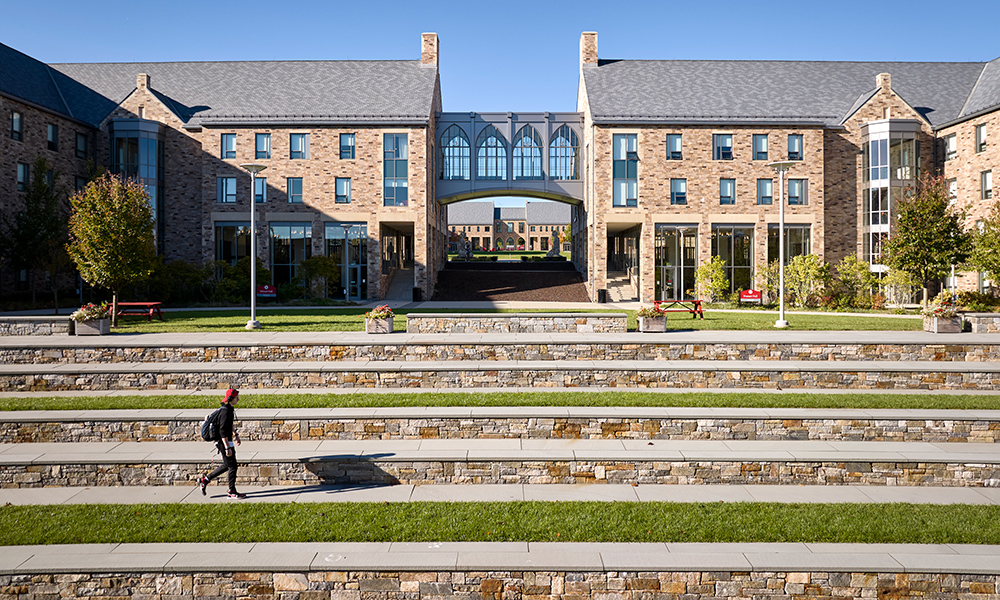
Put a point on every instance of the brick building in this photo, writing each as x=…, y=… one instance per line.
x=514, y=228
x=665, y=164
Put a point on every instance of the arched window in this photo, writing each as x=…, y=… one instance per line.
x=564, y=154
x=491, y=154
x=528, y=154
x=510, y=243
x=456, y=154
x=499, y=243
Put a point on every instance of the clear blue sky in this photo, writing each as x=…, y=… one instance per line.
x=502, y=56
x=506, y=56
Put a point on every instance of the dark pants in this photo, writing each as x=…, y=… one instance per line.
x=228, y=464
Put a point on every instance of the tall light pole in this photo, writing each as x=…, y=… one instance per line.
x=781, y=167
x=253, y=169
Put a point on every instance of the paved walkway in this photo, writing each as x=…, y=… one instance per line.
x=55, y=453
x=501, y=556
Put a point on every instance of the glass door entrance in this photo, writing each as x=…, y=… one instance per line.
x=676, y=261
x=347, y=245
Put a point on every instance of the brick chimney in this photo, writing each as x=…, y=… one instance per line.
x=142, y=81
x=588, y=49
x=429, y=50
x=883, y=81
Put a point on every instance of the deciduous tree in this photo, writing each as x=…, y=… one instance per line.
x=985, y=255
x=928, y=237
x=111, y=234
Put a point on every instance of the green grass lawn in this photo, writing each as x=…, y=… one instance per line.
x=623, y=398
x=352, y=319
x=501, y=521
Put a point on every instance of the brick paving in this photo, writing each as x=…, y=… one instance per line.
x=510, y=286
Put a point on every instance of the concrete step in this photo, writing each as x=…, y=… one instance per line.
x=508, y=461
x=830, y=570
x=528, y=422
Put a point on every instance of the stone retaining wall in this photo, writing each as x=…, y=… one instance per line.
x=439, y=351
x=516, y=323
x=328, y=471
x=854, y=430
x=54, y=325
x=498, y=585
x=597, y=377
x=984, y=322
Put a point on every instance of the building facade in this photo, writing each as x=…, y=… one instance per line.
x=665, y=165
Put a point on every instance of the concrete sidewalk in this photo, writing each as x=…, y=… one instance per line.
x=500, y=556
x=308, y=494
x=475, y=450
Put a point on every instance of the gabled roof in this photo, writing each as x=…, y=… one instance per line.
x=733, y=91
x=470, y=213
x=30, y=80
x=986, y=94
x=292, y=92
x=509, y=213
x=547, y=213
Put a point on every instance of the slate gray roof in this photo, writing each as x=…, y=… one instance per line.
x=714, y=91
x=470, y=213
x=509, y=213
x=28, y=79
x=547, y=213
x=303, y=92
x=986, y=94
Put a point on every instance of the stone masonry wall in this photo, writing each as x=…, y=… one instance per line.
x=516, y=323
x=34, y=326
x=389, y=428
x=346, y=376
x=337, y=471
x=497, y=585
x=553, y=351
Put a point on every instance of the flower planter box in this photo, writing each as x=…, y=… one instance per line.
x=378, y=325
x=943, y=324
x=95, y=327
x=653, y=324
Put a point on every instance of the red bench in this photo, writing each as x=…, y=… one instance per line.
x=140, y=308
x=689, y=306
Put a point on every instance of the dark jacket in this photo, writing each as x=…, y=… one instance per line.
x=226, y=421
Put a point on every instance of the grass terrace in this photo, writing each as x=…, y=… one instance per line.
x=352, y=319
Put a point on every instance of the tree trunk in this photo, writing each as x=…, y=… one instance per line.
x=55, y=292
x=114, y=309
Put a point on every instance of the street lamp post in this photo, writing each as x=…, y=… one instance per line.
x=253, y=169
x=781, y=167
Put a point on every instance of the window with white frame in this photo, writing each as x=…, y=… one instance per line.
x=343, y=193
x=678, y=191
x=980, y=138
x=395, y=165
x=722, y=146
x=16, y=126
x=795, y=146
x=674, y=146
x=225, y=190
x=797, y=192
x=952, y=191
x=727, y=191
x=986, y=184
x=298, y=145
x=625, y=166
x=294, y=190
x=262, y=145
x=765, y=191
x=760, y=146
x=347, y=146
x=950, y=146
x=260, y=189
x=228, y=145
x=23, y=172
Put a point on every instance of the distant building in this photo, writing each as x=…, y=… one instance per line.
x=513, y=228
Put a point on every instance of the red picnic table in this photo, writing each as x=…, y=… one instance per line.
x=690, y=306
x=140, y=308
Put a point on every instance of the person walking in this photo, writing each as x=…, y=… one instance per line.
x=226, y=445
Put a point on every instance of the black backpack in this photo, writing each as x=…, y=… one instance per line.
x=210, y=426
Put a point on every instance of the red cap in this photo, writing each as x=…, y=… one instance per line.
x=230, y=394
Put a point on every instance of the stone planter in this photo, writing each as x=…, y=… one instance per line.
x=943, y=324
x=653, y=324
x=378, y=325
x=95, y=327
